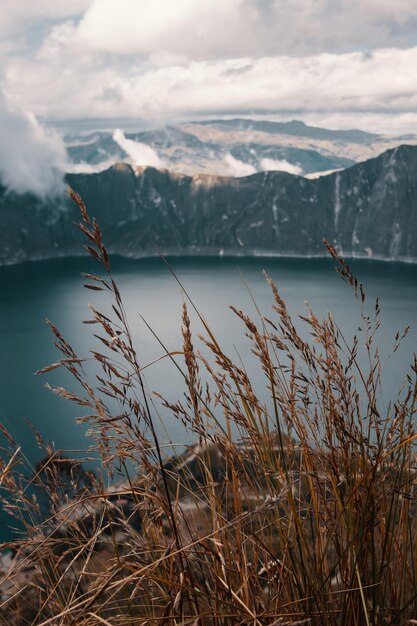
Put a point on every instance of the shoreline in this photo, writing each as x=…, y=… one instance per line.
x=201, y=254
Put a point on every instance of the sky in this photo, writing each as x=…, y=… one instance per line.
x=331, y=63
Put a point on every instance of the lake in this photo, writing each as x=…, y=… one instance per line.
x=31, y=292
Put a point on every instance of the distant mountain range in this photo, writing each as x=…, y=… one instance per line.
x=234, y=147
x=369, y=209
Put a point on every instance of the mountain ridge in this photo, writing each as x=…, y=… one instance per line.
x=265, y=213
x=237, y=147
x=295, y=127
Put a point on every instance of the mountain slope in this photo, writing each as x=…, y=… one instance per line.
x=369, y=209
x=233, y=147
x=184, y=152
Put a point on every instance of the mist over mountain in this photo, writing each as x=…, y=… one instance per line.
x=32, y=158
x=368, y=210
x=231, y=147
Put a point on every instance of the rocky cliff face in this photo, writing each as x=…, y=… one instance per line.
x=369, y=209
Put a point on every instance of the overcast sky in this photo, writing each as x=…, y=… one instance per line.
x=336, y=63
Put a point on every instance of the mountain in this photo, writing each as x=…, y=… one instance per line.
x=369, y=209
x=296, y=128
x=235, y=147
x=94, y=148
x=182, y=151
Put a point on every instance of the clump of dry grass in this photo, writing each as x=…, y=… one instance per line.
x=306, y=516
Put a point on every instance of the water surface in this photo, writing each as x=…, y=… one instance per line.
x=33, y=291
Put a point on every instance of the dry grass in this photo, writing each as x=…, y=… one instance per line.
x=306, y=516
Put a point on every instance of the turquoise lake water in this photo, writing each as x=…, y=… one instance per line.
x=33, y=291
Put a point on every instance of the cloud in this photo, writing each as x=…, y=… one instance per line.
x=88, y=168
x=23, y=24
x=31, y=159
x=329, y=85
x=191, y=28
x=267, y=165
x=237, y=168
x=140, y=153
x=234, y=167
x=163, y=60
x=208, y=29
x=19, y=15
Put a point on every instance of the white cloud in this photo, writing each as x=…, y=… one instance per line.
x=88, y=168
x=62, y=84
x=234, y=167
x=31, y=159
x=139, y=153
x=203, y=29
x=18, y=15
x=24, y=23
x=163, y=60
x=193, y=28
x=273, y=165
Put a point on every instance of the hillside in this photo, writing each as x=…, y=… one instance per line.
x=367, y=210
x=232, y=147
